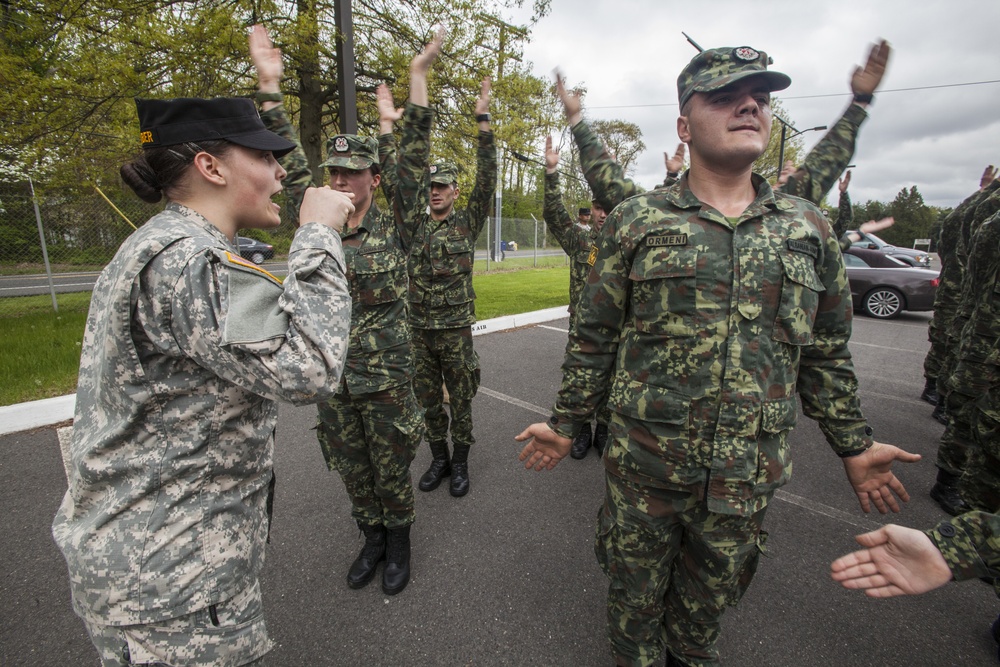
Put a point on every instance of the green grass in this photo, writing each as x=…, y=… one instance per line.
x=41, y=349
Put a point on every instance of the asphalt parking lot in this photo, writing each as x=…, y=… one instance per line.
x=506, y=575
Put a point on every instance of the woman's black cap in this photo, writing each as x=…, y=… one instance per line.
x=183, y=119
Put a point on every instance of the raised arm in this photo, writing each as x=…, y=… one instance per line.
x=388, y=114
x=481, y=199
x=556, y=217
x=267, y=62
x=829, y=158
x=606, y=177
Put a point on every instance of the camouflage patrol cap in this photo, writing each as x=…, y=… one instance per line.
x=351, y=151
x=717, y=68
x=443, y=172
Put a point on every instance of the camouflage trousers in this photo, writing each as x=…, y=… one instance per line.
x=673, y=568
x=965, y=384
x=370, y=439
x=446, y=355
x=980, y=485
x=226, y=634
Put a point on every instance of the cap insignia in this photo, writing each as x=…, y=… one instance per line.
x=340, y=144
x=746, y=54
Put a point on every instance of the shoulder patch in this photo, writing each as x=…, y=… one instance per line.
x=238, y=262
x=592, y=257
x=804, y=247
x=666, y=240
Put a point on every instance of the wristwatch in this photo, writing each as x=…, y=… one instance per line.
x=483, y=118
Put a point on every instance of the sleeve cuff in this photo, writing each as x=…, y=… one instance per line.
x=959, y=551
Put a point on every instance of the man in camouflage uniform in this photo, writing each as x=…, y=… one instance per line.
x=442, y=301
x=370, y=430
x=580, y=243
x=186, y=351
x=711, y=304
x=967, y=366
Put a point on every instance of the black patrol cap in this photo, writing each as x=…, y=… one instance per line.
x=183, y=119
x=583, y=211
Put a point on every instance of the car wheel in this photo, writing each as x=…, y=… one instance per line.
x=257, y=258
x=883, y=303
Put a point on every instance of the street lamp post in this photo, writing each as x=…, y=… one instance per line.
x=785, y=125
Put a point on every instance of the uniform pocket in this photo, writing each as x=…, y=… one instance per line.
x=664, y=291
x=800, y=290
x=381, y=277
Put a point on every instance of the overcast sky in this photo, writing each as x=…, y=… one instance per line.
x=628, y=54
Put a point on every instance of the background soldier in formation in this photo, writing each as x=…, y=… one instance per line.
x=710, y=304
x=186, y=351
x=580, y=243
x=370, y=430
x=441, y=299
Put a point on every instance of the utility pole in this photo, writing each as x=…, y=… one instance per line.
x=345, y=67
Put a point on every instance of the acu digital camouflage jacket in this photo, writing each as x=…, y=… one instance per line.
x=186, y=350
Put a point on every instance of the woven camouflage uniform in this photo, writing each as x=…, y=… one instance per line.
x=949, y=291
x=370, y=430
x=186, y=350
x=580, y=243
x=845, y=216
x=970, y=544
x=964, y=367
x=441, y=298
x=701, y=331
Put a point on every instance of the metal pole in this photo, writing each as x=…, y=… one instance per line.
x=499, y=221
x=45, y=250
x=534, y=261
x=488, y=246
x=345, y=67
x=781, y=150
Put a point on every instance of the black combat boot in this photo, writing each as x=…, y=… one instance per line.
x=440, y=467
x=929, y=393
x=940, y=412
x=600, y=438
x=581, y=443
x=945, y=492
x=363, y=568
x=396, y=574
x=460, y=471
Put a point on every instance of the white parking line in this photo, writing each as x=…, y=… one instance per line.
x=545, y=326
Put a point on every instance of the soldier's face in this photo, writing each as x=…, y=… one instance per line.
x=728, y=128
x=597, y=216
x=253, y=177
x=361, y=183
x=443, y=198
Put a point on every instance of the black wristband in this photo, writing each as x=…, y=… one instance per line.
x=864, y=98
x=854, y=452
x=483, y=118
x=268, y=97
x=673, y=174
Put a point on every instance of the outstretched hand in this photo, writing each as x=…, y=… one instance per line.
x=845, y=181
x=387, y=110
x=551, y=156
x=545, y=448
x=873, y=226
x=674, y=163
x=865, y=80
x=483, y=101
x=421, y=63
x=989, y=175
x=570, y=100
x=266, y=60
x=871, y=476
x=895, y=561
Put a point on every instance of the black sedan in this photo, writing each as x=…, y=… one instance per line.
x=254, y=250
x=883, y=286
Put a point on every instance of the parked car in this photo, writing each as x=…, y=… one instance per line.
x=915, y=258
x=883, y=286
x=254, y=250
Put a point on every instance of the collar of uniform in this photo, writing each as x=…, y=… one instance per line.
x=200, y=220
x=367, y=222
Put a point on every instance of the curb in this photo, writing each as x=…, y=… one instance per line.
x=49, y=411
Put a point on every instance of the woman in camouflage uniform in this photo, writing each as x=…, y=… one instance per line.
x=186, y=350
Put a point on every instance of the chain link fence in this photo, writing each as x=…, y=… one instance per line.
x=55, y=245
